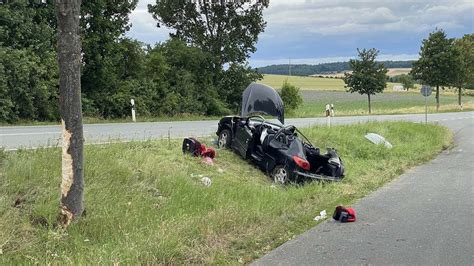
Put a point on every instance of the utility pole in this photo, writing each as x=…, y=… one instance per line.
x=289, y=66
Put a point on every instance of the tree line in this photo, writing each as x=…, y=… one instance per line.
x=324, y=68
x=444, y=62
x=202, y=69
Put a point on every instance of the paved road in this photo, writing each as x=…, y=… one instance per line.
x=425, y=217
x=39, y=136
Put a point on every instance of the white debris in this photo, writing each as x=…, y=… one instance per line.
x=206, y=181
x=322, y=215
x=220, y=170
x=377, y=139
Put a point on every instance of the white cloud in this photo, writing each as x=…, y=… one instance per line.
x=144, y=26
x=344, y=17
x=292, y=24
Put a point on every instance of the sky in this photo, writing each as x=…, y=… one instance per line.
x=315, y=31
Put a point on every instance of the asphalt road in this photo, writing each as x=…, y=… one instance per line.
x=16, y=137
x=425, y=217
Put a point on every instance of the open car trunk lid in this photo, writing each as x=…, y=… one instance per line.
x=259, y=98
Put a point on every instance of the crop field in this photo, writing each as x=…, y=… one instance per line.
x=317, y=92
x=398, y=71
x=391, y=72
x=310, y=83
x=146, y=205
x=385, y=103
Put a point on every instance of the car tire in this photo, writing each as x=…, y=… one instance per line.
x=280, y=175
x=225, y=139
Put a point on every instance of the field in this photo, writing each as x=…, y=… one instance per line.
x=391, y=72
x=146, y=205
x=398, y=71
x=310, y=83
x=317, y=92
x=386, y=103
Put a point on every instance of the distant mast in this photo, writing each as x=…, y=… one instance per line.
x=289, y=66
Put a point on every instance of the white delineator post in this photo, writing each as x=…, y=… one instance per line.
x=332, y=110
x=328, y=114
x=132, y=101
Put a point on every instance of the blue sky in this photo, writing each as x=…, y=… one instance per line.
x=315, y=31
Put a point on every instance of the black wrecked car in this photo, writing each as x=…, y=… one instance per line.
x=280, y=150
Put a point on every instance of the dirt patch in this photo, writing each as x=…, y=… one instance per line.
x=39, y=221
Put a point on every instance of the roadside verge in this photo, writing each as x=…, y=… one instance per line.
x=145, y=202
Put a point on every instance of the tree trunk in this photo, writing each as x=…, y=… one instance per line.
x=69, y=59
x=437, y=98
x=370, y=109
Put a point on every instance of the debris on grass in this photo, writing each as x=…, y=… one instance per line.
x=208, y=161
x=322, y=215
x=377, y=139
x=206, y=181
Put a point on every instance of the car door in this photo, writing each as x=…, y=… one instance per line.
x=242, y=140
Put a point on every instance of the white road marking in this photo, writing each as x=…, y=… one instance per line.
x=32, y=133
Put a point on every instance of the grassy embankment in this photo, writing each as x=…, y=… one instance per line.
x=145, y=204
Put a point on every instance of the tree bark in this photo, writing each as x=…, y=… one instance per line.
x=437, y=98
x=370, y=108
x=69, y=60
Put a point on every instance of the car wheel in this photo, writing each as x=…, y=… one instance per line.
x=280, y=175
x=225, y=138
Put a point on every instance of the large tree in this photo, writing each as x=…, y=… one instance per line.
x=437, y=63
x=367, y=77
x=407, y=81
x=27, y=61
x=69, y=59
x=103, y=24
x=226, y=29
x=28, y=25
x=465, y=63
x=28, y=31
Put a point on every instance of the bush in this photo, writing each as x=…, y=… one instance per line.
x=290, y=94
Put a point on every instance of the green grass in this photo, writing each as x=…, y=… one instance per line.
x=347, y=104
x=145, y=204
